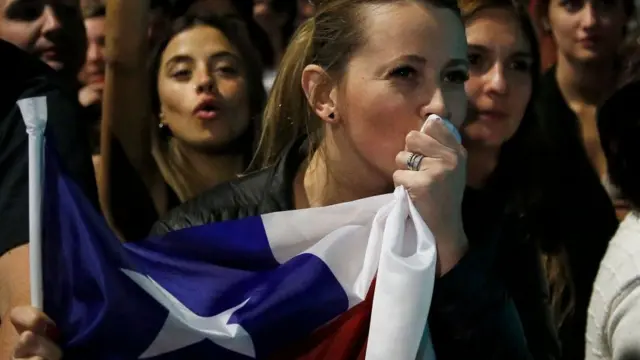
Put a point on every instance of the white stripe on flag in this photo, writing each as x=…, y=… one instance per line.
x=382, y=236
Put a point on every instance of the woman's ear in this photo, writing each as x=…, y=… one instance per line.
x=546, y=27
x=321, y=92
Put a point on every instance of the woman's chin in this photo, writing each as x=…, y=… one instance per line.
x=483, y=138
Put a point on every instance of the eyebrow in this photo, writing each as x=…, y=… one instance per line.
x=187, y=58
x=412, y=58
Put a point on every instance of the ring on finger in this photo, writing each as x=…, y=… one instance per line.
x=413, y=163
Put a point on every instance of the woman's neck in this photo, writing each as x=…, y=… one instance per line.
x=481, y=163
x=214, y=168
x=328, y=179
x=585, y=83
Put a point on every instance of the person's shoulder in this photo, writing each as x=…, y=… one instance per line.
x=249, y=195
x=624, y=243
x=617, y=283
x=21, y=68
x=620, y=265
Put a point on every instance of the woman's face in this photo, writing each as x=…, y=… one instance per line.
x=499, y=86
x=203, y=89
x=53, y=30
x=587, y=30
x=413, y=63
x=94, y=66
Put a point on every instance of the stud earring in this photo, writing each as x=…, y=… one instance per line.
x=164, y=130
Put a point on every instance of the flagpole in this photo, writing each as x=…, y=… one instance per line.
x=34, y=114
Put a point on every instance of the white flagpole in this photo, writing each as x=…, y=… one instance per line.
x=34, y=114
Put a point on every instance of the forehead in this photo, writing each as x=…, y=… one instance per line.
x=574, y=7
x=497, y=27
x=406, y=28
x=94, y=23
x=40, y=2
x=5, y=4
x=200, y=41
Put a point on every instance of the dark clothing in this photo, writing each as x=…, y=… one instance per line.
x=473, y=314
x=587, y=221
x=24, y=76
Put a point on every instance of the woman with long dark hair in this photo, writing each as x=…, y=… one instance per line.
x=589, y=36
x=206, y=98
x=549, y=201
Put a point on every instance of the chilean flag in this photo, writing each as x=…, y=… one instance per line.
x=287, y=285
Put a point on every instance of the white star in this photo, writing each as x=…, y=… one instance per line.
x=183, y=327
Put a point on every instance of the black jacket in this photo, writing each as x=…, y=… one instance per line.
x=473, y=315
x=24, y=76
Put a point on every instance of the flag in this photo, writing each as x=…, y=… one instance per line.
x=237, y=289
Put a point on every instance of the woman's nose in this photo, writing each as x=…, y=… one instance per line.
x=206, y=84
x=496, y=80
x=437, y=105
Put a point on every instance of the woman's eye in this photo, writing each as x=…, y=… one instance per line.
x=25, y=12
x=405, y=72
x=572, y=5
x=521, y=65
x=228, y=70
x=457, y=77
x=474, y=59
x=181, y=74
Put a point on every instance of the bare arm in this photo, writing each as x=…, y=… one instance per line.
x=14, y=291
x=126, y=125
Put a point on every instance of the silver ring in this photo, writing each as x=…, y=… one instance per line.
x=413, y=163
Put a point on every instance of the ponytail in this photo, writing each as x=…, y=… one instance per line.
x=328, y=40
x=287, y=115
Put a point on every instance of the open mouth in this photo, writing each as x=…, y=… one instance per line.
x=207, y=110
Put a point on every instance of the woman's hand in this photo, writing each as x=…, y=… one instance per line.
x=437, y=187
x=90, y=94
x=37, y=335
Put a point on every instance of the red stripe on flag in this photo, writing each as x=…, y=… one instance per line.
x=345, y=338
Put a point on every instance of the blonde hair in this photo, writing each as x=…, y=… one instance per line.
x=328, y=40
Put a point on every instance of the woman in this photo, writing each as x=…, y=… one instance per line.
x=206, y=97
x=614, y=311
x=349, y=132
x=512, y=158
x=50, y=30
x=588, y=36
x=508, y=152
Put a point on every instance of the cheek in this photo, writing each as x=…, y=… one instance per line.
x=175, y=100
x=22, y=35
x=235, y=94
x=563, y=29
x=377, y=125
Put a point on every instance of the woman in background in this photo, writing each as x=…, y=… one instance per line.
x=206, y=98
x=514, y=170
x=588, y=35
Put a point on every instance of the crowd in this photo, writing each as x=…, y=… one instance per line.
x=217, y=110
